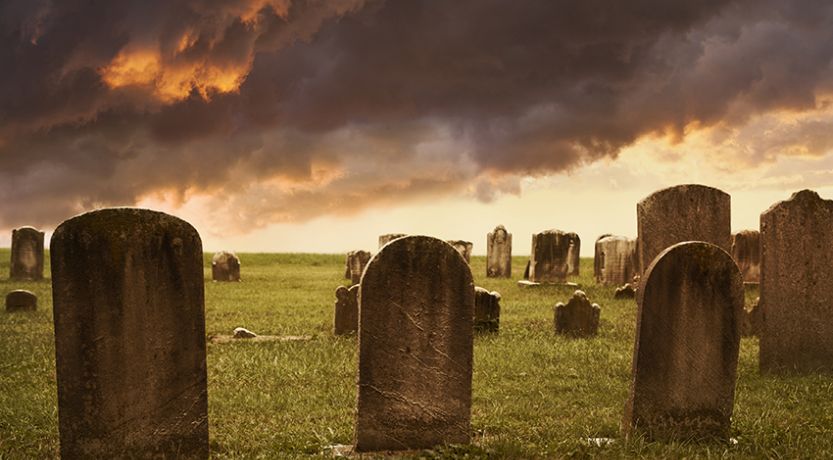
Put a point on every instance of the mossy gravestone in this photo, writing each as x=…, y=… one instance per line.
x=499, y=253
x=27, y=254
x=416, y=309
x=687, y=341
x=127, y=287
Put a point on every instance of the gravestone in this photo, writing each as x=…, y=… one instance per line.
x=682, y=213
x=687, y=340
x=752, y=323
x=626, y=291
x=615, y=260
x=416, y=303
x=463, y=247
x=346, y=319
x=127, y=287
x=526, y=269
x=549, y=258
x=499, y=253
x=573, y=256
x=797, y=285
x=596, y=258
x=486, y=310
x=579, y=318
x=385, y=239
x=27, y=254
x=356, y=261
x=225, y=266
x=746, y=250
x=21, y=300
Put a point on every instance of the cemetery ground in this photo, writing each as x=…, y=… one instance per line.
x=535, y=394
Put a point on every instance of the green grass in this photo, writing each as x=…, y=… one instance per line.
x=536, y=395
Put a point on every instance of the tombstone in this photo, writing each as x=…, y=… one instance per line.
x=573, y=256
x=21, y=300
x=486, y=310
x=579, y=318
x=385, y=239
x=746, y=250
x=615, y=260
x=346, y=319
x=797, y=285
x=626, y=291
x=687, y=341
x=682, y=213
x=129, y=312
x=499, y=253
x=596, y=257
x=225, y=266
x=416, y=304
x=27, y=254
x=549, y=259
x=752, y=321
x=463, y=247
x=356, y=261
x=526, y=269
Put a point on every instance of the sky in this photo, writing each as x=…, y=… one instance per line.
x=315, y=126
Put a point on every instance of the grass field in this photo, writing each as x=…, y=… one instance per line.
x=536, y=395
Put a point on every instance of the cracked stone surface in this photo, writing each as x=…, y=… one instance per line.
x=499, y=253
x=346, y=318
x=129, y=315
x=225, y=266
x=27, y=254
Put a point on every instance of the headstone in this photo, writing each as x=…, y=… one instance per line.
x=385, y=239
x=579, y=318
x=526, y=269
x=356, y=261
x=346, y=319
x=746, y=250
x=21, y=300
x=752, y=322
x=682, y=213
x=549, y=260
x=242, y=333
x=615, y=260
x=486, y=310
x=463, y=247
x=416, y=304
x=687, y=340
x=27, y=254
x=596, y=258
x=499, y=253
x=225, y=266
x=129, y=311
x=626, y=291
x=797, y=285
x=573, y=256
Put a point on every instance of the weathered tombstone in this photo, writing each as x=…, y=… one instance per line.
x=596, y=258
x=615, y=260
x=579, y=318
x=27, y=254
x=385, y=239
x=499, y=253
x=356, y=261
x=626, y=291
x=346, y=320
x=682, y=213
x=797, y=285
x=687, y=341
x=21, y=300
x=463, y=247
x=486, y=310
x=746, y=250
x=416, y=304
x=129, y=312
x=549, y=258
x=225, y=266
x=573, y=255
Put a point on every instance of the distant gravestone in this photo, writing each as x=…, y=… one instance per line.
x=549, y=261
x=746, y=250
x=797, y=285
x=626, y=291
x=21, y=300
x=682, y=213
x=615, y=260
x=499, y=253
x=385, y=239
x=225, y=266
x=596, y=258
x=578, y=318
x=463, y=247
x=416, y=304
x=356, y=261
x=127, y=287
x=27, y=254
x=486, y=310
x=573, y=255
x=346, y=320
x=687, y=340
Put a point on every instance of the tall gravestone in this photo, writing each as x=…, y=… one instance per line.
x=687, y=340
x=682, y=213
x=463, y=247
x=549, y=260
x=499, y=253
x=416, y=304
x=573, y=255
x=346, y=319
x=225, y=266
x=27, y=254
x=746, y=250
x=385, y=239
x=797, y=285
x=127, y=287
x=356, y=261
x=615, y=260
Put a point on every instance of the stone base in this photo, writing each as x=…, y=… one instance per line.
x=527, y=283
x=260, y=338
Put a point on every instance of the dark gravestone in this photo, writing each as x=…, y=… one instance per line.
x=21, y=300
x=746, y=250
x=127, y=287
x=225, y=266
x=416, y=304
x=573, y=255
x=463, y=247
x=385, y=239
x=797, y=285
x=626, y=291
x=682, y=213
x=549, y=259
x=346, y=319
x=687, y=340
x=499, y=253
x=27, y=254
x=579, y=318
x=615, y=260
x=486, y=310
x=526, y=269
x=356, y=261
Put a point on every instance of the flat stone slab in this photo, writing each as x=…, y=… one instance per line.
x=260, y=338
x=527, y=283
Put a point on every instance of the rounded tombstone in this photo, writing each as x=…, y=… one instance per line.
x=21, y=300
x=225, y=266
